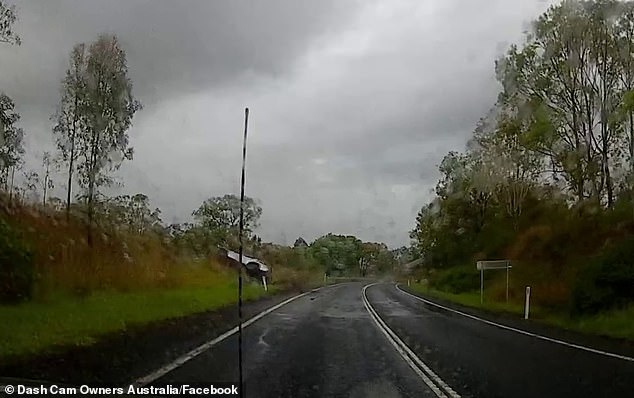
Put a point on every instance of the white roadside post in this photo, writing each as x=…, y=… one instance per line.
x=507, y=281
x=408, y=283
x=266, y=289
x=528, y=302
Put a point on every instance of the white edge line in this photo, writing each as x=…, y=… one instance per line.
x=407, y=354
x=524, y=332
x=142, y=381
x=439, y=393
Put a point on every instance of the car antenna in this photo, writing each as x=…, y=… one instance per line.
x=242, y=180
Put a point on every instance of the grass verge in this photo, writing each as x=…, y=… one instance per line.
x=40, y=326
x=615, y=323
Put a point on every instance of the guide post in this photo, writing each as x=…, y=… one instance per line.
x=527, y=303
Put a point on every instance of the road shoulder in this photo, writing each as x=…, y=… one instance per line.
x=601, y=343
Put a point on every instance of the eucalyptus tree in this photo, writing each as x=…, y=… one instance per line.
x=8, y=17
x=11, y=137
x=106, y=113
x=70, y=117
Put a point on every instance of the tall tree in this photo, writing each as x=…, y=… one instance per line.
x=132, y=213
x=11, y=141
x=107, y=113
x=220, y=218
x=624, y=33
x=376, y=258
x=7, y=19
x=29, y=189
x=339, y=254
x=571, y=85
x=511, y=168
x=70, y=117
x=47, y=182
x=604, y=56
x=11, y=137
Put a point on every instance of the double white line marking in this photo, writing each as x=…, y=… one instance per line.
x=435, y=383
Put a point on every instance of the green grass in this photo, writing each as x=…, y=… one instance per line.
x=38, y=326
x=471, y=299
x=615, y=323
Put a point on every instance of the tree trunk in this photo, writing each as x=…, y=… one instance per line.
x=609, y=186
x=71, y=160
x=45, y=187
x=91, y=185
x=5, y=178
x=90, y=209
x=631, y=116
x=68, y=191
x=606, y=177
x=630, y=185
x=605, y=130
x=575, y=126
x=11, y=186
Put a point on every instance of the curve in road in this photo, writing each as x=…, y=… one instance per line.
x=323, y=344
x=351, y=340
x=480, y=359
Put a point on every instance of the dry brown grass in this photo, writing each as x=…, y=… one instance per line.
x=117, y=260
x=295, y=279
x=548, y=257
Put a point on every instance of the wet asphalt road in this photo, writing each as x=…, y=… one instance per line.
x=321, y=345
x=325, y=344
x=481, y=360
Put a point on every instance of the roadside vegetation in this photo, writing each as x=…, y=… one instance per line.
x=547, y=179
x=36, y=326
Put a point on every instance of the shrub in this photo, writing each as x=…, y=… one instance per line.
x=294, y=279
x=606, y=282
x=456, y=279
x=16, y=266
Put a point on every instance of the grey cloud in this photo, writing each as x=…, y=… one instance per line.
x=353, y=104
x=174, y=47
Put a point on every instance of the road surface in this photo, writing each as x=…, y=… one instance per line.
x=347, y=341
x=482, y=360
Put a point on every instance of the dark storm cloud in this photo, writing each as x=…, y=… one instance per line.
x=353, y=104
x=172, y=47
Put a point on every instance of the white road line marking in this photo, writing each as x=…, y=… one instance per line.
x=524, y=332
x=441, y=389
x=142, y=381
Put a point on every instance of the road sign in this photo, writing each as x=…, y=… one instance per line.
x=493, y=264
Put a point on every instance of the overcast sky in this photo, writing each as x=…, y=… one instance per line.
x=353, y=103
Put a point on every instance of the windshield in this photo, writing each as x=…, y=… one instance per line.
x=317, y=198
